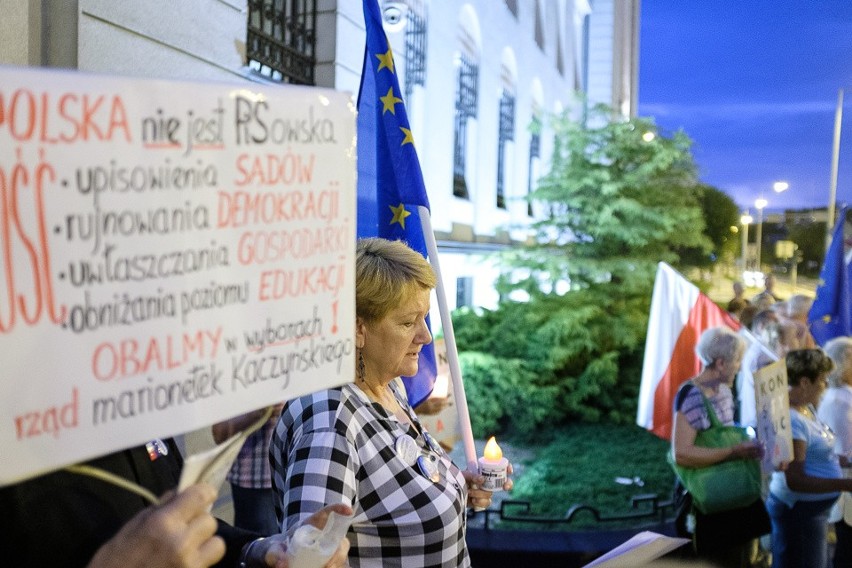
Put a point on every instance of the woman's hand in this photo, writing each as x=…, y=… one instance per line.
x=752, y=450
x=272, y=552
x=480, y=499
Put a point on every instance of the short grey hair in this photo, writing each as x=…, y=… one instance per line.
x=839, y=350
x=719, y=343
x=798, y=305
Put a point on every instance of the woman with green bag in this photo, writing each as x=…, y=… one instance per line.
x=724, y=537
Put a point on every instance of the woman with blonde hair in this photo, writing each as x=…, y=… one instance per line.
x=362, y=445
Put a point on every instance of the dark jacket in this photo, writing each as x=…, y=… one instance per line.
x=62, y=518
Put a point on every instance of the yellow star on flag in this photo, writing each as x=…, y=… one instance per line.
x=826, y=318
x=388, y=102
x=385, y=60
x=399, y=214
x=409, y=139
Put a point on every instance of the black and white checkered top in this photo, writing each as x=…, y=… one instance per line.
x=337, y=446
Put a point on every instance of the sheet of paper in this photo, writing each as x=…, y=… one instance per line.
x=641, y=549
x=212, y=466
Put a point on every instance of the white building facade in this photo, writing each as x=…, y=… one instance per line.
x=475, y=74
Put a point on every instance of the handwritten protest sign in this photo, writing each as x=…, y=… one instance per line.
x=773, y=415
x=171, y=254
x=443, y=424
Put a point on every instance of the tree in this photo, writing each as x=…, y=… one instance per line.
x=720, y=213
x=810, y=238
x=616, y=203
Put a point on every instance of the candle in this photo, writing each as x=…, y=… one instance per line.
x=493, y=466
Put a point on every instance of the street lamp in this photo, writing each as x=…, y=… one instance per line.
x=759, y=203
x=746, y=219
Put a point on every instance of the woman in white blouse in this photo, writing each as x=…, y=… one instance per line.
x=836, y=411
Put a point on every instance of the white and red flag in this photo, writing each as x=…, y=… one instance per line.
x=680, y=312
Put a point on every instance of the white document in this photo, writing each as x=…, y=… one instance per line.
x=639, y=550
x=213, y=465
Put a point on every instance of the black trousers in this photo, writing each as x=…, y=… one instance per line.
x=843, y=548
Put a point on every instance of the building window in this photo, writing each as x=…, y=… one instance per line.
x=582, y=14
x=281, y=40
x=539, y=26
x=466, y=99
x=464, y=291
x=584, y=54
x=507, y=133
x=415, y=53
x=513, y=7
x=535, y=152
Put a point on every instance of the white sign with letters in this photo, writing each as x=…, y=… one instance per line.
x=773, y=415
x=171, y=254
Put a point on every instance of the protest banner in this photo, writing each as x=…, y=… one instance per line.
x=172, y=254
x=773, y=415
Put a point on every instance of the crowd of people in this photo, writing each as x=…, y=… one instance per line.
x=804, y=498
x=358, y=451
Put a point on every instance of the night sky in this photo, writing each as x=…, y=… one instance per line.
x=754, y=84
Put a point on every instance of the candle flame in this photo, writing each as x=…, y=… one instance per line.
x=492, y=450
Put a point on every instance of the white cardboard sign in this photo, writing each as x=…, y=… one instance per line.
x=171, y=254
x=773, y=415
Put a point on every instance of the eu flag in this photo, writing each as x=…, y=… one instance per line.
x=830, y=314
x=390, y=182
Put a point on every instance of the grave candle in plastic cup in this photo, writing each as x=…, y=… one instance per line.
x=493, y=466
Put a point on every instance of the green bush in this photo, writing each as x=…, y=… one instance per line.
x=503, y=396
x=553, y=360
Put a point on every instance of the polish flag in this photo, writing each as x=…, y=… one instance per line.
x=679, y=314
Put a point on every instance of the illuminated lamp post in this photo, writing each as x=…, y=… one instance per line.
x=759, y=204
x=746, y=220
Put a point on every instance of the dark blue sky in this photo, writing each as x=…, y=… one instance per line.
x=754, y=84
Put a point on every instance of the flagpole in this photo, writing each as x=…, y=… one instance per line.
x=835, y=161
x=450, y=341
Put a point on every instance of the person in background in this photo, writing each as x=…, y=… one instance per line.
x=719, y=537
x=747, y=315
x=736, y=307
x=250, y=476
x=764, y=328
x=801, y=496
x=361, y=444
x=795, y=312
x=739, y=292
x=74, y=520
x=835, y=410
x=768, y=297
